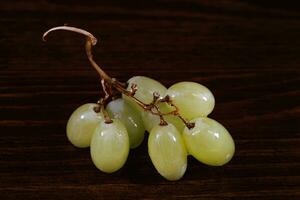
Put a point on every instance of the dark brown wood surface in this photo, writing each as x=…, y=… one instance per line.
x=246, y=52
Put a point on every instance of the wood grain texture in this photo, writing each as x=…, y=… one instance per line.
x=246, y=52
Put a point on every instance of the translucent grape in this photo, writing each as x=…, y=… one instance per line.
x=130, y=117
x=110, y=146
x=145, y=89
x=150, y=120
x=194, y=100
x=81, y=125
x=167, y=151
x=209, y=142
x=175, y=121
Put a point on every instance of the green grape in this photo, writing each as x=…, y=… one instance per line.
x=192, y=99
x=167, y=151
x=110, y=146
x=176, y=121
x=150, y=120
x=130, y=117
x=145, y=89
x=209, y=142
x=81, y=125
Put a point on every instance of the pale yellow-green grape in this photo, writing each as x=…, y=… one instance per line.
x=110, y=146
x=150, y=120
x=209, y=142
x=130, y=117
x=192, y=99
x=175, y=121
x=145, y=89
x=167, y=151
x=81, y=125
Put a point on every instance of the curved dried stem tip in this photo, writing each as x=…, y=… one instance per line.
x=91, y=41
x=90, y=36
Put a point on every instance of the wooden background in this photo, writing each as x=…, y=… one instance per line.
x=246, y=52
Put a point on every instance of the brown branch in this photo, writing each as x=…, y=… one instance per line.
x=108, y=84
x=88, y=49
x=107, y=119
x=175, y=112
x=91, y=41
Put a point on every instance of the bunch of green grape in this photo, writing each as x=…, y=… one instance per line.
x=112, y=127
x=168, y=144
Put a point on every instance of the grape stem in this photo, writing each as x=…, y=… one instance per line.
x=108, y=84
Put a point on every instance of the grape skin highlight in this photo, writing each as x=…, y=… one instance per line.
x=167, y=151
x=192, y=99
x=130, y=117
x=209, y=142
x=110, y=146
x=81, y=125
